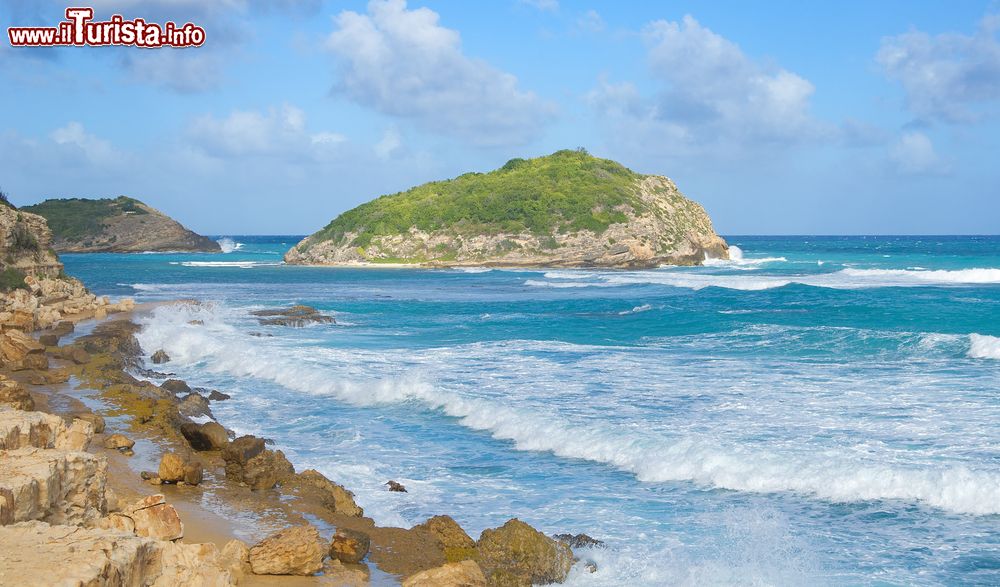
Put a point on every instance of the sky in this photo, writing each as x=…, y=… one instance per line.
x=780, y=117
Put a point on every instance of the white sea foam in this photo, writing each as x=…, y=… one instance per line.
x=144, y=286
x=228, y=245
x=474, y=269
x=636, y=310
x=737, y=260
x=240, y=264
x=700, y=459
x=982, y=346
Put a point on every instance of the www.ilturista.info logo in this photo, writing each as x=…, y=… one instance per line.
x=79, y=29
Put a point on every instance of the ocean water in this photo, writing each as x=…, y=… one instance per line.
x=822, y=410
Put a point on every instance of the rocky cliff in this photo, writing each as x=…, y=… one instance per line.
x=120, y=225
x=26, y=244
x=568, y=209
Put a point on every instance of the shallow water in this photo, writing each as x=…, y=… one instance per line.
x=822, y=411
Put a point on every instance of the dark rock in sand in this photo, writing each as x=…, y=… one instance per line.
x=394, y=486
x=196, y=322
x=193, y=473
x=579, y=541
x=218, y=396
x=159, y=357
x=243, y=449
x=49, y=339
x=517, y=554
x=349, y=546
x=207, y=436
x=295, y=316
x=175, y=386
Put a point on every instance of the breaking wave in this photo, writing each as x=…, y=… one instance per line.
x=982, y=346
x=219, y=347
x=228, y=245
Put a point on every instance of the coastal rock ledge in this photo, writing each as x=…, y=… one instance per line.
x=568, y=209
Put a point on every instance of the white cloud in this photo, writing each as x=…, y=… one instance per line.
x=543, y=5
x=590, y=22
x=279, y=132
x=950, y=77
x=390, y=143
x=711, y=95
x=403, y=63
x=913, y=154
x=73, y=136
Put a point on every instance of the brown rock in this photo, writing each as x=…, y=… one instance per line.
x=12, y=394
x=247, y=461
x=171, y=468
x=517, y=554
x=218, y=396
x=36, y=378
x=155, y=518
x=57, y=486
x=96, y=420
x=341, y=575
x=394, y=486
x=207, y=436
x=293, y=551
x=160, y=357
x=461, y=574
x=49, y=339
x=334, y=497
x=193, y=473
x=76, y=355
x=117, y=521
x=235, y=557
x=243, y=449
x=456, y=544
x=175, y=386
x=579, y=541
x=349, y=546
x=19, y=352
x=194, y=406
x=118, y=442
x=295, y=316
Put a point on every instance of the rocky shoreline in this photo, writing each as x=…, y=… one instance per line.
x=132, y=464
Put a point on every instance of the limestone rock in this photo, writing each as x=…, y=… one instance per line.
x=235, y=557
x=52, y=485
x=193, y=473
x=13, y=394
x=171, y=468
x=49, y=339
x=19, y=429
x=118, y=442
x=207, y=436
x=460, y=574
x=293, y=551
x=579, y=541
x=456, y=544
x=517, y=554
x=194, y=406
x=19, y=351
x=155, y=518
x=350, y=575
x=296, y=316
x=77, y=436
x=247, y=461
x=349, y=546
x=96, y=420
x=334, y=497
x=191, y=565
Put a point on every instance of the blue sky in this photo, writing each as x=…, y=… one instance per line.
x=780, y=117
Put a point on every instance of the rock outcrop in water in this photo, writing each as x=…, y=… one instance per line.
x=119, y=225
x=564, y=210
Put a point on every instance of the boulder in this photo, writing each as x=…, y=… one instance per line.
x=293, y=551
x=235, y=557
x=193, y=473
x=77, y=436
x=194, y=406
x=218, y=396
x=118, y=442
x=13, y=394
x=175, y=386
x=19, y=429
x=193, y=565
x=333, y=496
x=456, y=544
x=295, y=316
x=349, y=546
x=96, y=420
x=160, y=357
x=395, y=486
x=19, y=351
x=52, y=485
x=460, y=574
x=49, y=339
x=579, y=541
x=247, y=461
x=207, y=436
x=35, y=378
x=517, y=554
x=155, y=518
x=175, y=468
x=341, y=575
x=77, y=355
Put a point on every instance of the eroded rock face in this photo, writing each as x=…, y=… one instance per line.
x=176, y=386
x=57, y=486
x=19, y=351
x=295, y=316
x=247, y=461
x=349, y=546
x=459, y=574
x=297, y=550
x=517, y=554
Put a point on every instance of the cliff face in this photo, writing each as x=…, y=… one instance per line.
x=120, y=225
x=26, y=244
x=565, y=210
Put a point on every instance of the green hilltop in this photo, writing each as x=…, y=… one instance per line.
x=566, y=191
x=75, y=219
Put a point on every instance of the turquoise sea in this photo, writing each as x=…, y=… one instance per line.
x=822, y=410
